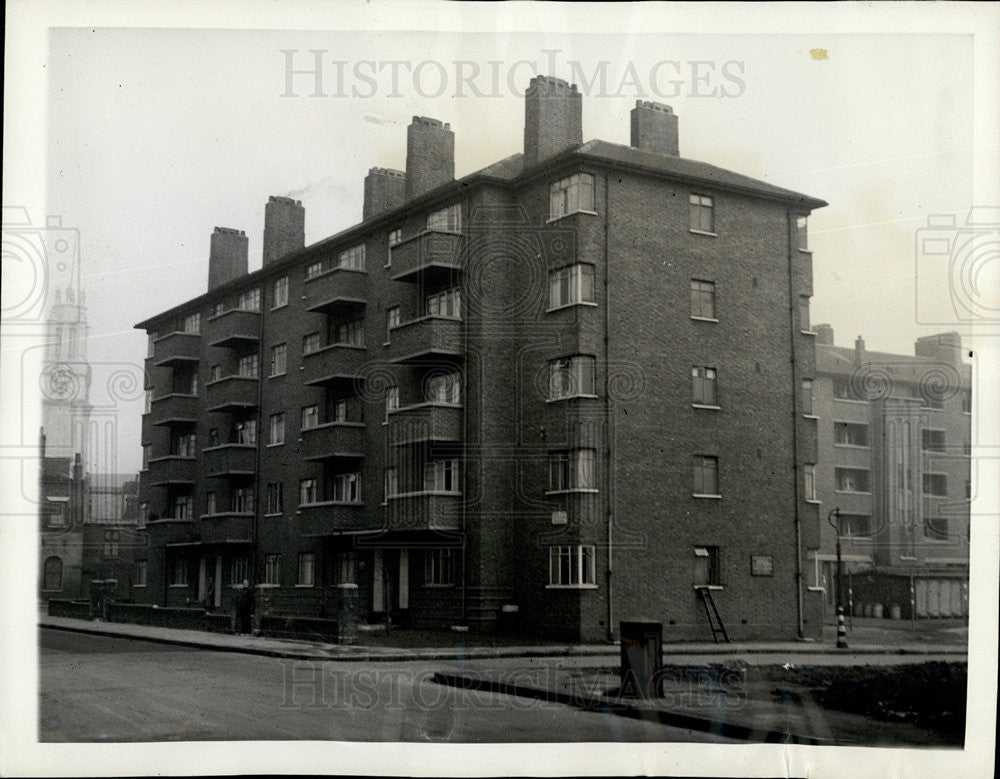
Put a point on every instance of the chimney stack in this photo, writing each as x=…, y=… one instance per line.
x=859, y=350
x=430, y=155
x=385, y=189
x=227, y=258
x=654, y=128
x=824, y=334
x=943, y=347
x=284, y=228
x=553, y=118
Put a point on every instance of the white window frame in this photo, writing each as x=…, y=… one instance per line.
x=280, y=292
x=272, y=569
x=571, y=195
x=439, y=567
x=698, y=207
x=843, y=480
x=276, y=497
x=310, y=417
x=705, y=476
x=314, y=269
x=279, y=359
x=446, y=303
x=306, y=576
x=846, y=427
x=249, y=300
x=353, y=258
x=446, y=220
x=570, y=285
x=311, y=343
x=443, y=475
x=276, y=429
x=248, y=366
x=704, y=292
x=308, y=491
x=445, y=388
x=703, y=379
x=572, y=567
x=572, y=377
x=346, y=487
x=573, y=470
x=192, y=324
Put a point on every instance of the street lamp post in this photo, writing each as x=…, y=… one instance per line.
x=841, y=628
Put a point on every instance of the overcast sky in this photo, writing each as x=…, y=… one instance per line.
x=157, y=136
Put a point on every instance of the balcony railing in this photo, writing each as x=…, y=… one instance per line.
x=330, y=518
x=340, y=292
x=334, y=364
x=173, y=409
x=425, y=422
x=430, y=254
x=175, y=349
x=233, y=329
x=426, y=338
x=229, y=527
x=170, y=531
x=333, y=440
x=232, y=393
x=424, y=511
x=171, y=469
x=234, y=460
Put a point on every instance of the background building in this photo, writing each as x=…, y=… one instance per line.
x=894, y=456
x=561, y=391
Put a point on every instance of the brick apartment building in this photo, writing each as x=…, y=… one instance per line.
x=559, y=392
x=894, y=457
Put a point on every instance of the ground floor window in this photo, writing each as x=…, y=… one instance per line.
x=179, y=573
x=239, y=570
x=307, y=569
x=439, y=567
x=141, y=573
x=571, y=566
x=272, y=569
x=347, y=567
x=52, y=574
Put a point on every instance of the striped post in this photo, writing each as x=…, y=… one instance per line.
x=841, y=629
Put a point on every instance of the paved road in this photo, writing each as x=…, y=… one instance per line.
x=98, y=688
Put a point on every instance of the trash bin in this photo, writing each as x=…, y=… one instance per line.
x=868, y=609
x=641, y=658
x=507, y=620
x=877, y=611
x=896, y=612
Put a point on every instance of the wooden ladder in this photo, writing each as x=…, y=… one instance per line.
x=714, y=620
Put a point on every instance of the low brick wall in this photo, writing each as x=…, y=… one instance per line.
x=169, y=617
x=78, y=609
x=310, y=628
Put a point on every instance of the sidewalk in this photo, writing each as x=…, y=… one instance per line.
x=824, y=652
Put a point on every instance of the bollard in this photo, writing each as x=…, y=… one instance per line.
x=841, y=629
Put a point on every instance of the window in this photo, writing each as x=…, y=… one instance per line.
x=52, y=574
x=391, y=399
x=850, y=434
x=248, y=366
x=936, y=485
x=272, y=569
x=246, y=432
x=439, y=567
x=571, y=285
x=243, y=500
x=391, y=320
x=572, y=470
x=314, y=269
x=395, y=237
x=447, y=219
x=141, y=573
x=181, y=507
x=706, y=475
x=855, y=525
x=351, y=333
x=183, y=445
x=338, y=411
x=933, y=440
x=275, y=497
x=151, y=344
x=346, y=488
x=571, y=377
x=804, y=313
x=852, y=480
x=215, y=373
x=347, y=567
x=442, y=476
x=570, y=195
x=148, y=400
x=844, y=390
x=192, y=324
x=250, y=300
x=276, y=434
x=310, y=417
x=446, y=303
x=111, y=538
x=56, y=515
x=809, y=477
x=353, y=258
x=702, y=299
x=702, y=210
x=703, y=386
x=936, y=528
x=219, y=308
x=213, y=437
x=143, y=515
x=179, y=573
x=807, y=397
x=147, y=451
x=707, y=566
x=307, y=491
x=211, y=503
x=239, y=570
x=310, y=343
x=279, y=359
x=280, y=292
x=445, y=388
x=966, y=402
x=802, y=233
x=391, y=482
x=307, y=569
x=572, y=566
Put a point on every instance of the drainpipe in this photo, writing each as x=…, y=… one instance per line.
x=467, y=208
x=608, y=423
x=255, y=576
x=795, y=423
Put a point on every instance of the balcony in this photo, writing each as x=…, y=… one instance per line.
x=229, y=460
x=425, y=422
x=424, y=511
x=174, y=409
x=336, y=364
x=170, y=470
x=163, y=532
x=330, y=518
x=428, y=256
x=340, y=292
x=232, y=393
x=426, y=338
x=233, y=329
x=333, y=440
x=176, y=349
x=227, y=528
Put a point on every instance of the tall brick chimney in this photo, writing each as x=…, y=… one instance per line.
x=430, y=155
x=859, y=350
x=227, y=256
x=943, y=347
x=284, y=228
x=824, y=334
x=654, y=128
x=553, y=118
x=384, y=190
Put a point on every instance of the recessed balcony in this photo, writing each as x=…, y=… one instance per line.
x=334, y=440
x=426, y=338
x=175, y=350
x=424, y=511
x=429, y=256
x=233, y=329
x=336, y=364
x=170, y=470
x=425, y=422
x=174, y=409
x=224, y=528
x=232, y=393
x=340, y=292
x=330, y=518
x=229, y=460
